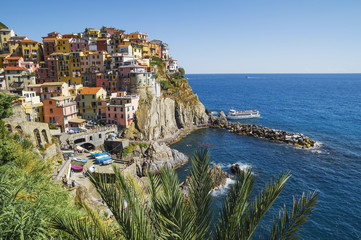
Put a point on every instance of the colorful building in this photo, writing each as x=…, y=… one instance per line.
x=59, y=111
x=78, y=45
x=138, y=37
x=5, y=35
x=50, y=89
x=15, y=44
x=92, y=61
x=62, y=45
x=92, y=102
x=18, y=79
x=32, y=106
x=121, y=109
x=31, y=50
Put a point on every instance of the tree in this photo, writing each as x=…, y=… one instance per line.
x=6, y=103
x=164, y=212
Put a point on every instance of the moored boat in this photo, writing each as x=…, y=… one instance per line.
x=233, y=114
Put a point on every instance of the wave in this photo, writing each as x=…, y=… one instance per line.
x=222, y=190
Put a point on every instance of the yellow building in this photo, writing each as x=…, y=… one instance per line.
x=137, y=51
x=93, y=33
x=62, y=45
x=5, y=35
x=145, y=50
x=68, y=66
x=2, y=57
x=92, y=103
x=34, y=112
x=30, y=50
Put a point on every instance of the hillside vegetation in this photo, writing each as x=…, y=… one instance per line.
x=2, y=25
x=28, y=199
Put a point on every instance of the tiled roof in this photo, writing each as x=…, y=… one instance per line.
x=49, y=38
x=13, y=58
x=89, y=90
x=29, y=41
x=15, y=69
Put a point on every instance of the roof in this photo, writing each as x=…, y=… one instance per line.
x=90, y=90
x=52, y=83
x=29, y=41
x=15, y=69
x=13, y=58
x=49, y=38
x=77, y=120
x=34, y=85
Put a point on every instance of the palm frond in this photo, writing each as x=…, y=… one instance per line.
x=173, y=217
x=126, y=204
x=200, y=192
x=235, y=207
x=260, y=205
x=288, y=226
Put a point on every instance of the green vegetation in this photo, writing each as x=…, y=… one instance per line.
x=28, y=200
x=164, y=84
x=131, y=146
x=2, y=25
x=178, y=75
x=164, y=212
x=160, y=64
x=52, y=126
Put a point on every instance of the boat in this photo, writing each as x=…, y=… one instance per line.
x=76, y=168
x=102, y=156
x=107, y=162
x=80, y=160
x=233, y=114
x=101, y=160
x=99, y=154
x=92, y=169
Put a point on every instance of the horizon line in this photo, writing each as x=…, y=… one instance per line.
x=272, y=73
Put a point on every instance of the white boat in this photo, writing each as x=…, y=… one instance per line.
x=233, y=114
x=92, y=169
x=107, y=162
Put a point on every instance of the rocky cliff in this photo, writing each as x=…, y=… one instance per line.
x=161, y=118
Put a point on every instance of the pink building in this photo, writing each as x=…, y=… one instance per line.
x=78, y=45
x=124, y=71
x=59, y=111
x=51, y=89
x=121, y=109
x=47, y=71
x=19, y=62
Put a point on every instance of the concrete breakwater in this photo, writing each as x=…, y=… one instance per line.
x=296, y=139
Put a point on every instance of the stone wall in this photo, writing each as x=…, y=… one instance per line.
x=37, y=132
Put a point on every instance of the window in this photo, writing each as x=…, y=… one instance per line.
x=115, y=115
x=82, y=96
x=93, y=110
x=121, y=116
x=91, y=138
x=108, y=108
x=50, y=102
x=99, y=103
x=108, y=115
x=83, y=110
x=100, y=136
x=51, y=110
x=93, y=96
x=132, y=107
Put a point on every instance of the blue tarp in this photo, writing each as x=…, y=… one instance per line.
x=100, y=160
x=99, y=154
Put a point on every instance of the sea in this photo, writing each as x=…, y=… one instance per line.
x=324, y=107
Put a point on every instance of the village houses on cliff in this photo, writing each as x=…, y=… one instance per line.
x=98, y=75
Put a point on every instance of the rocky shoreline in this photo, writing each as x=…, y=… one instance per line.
x=281, y=136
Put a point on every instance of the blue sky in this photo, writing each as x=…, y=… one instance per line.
x=253, y=36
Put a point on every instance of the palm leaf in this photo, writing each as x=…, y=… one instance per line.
x=200, y=192
x=287, y=227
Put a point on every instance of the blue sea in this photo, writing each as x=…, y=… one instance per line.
x=325, y=107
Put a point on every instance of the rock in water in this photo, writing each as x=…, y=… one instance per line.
x=235, y=169
x=222, y=118
x=219, y=177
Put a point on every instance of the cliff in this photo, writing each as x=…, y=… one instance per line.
x=161, y=118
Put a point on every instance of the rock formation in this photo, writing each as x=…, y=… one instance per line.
x=161, y=118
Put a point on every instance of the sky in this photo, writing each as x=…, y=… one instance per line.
x=243, y=36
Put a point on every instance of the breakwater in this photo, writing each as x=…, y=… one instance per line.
x=296, y=139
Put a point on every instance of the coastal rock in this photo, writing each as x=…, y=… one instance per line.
x=235, y=169
x=160, y=155
x=161, y=118
x=219, y=177
x=222, y=118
